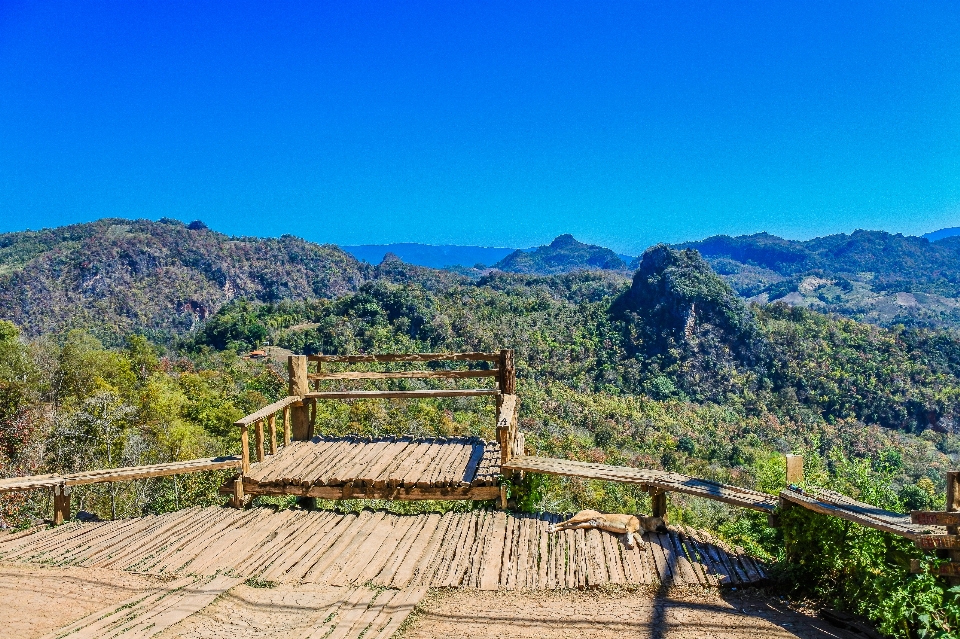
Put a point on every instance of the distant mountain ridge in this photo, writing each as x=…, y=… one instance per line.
x=563, y=255
x=871, y=276
x=433, y=256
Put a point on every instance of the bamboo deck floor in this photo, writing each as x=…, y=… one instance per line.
x=671, y=482
x=828, y=502
x=387, y=467
x=488, y=550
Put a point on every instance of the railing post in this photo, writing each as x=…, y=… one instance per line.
x=794, y=469
x=300, y=386
x=258, y=434
x=244, y=449
x=953, y=505
x=286, y=426
x=508, y=373
x=273, y=434
x=61, y=504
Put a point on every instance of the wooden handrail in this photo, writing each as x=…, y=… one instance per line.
x=412, y=357
x=267, y=411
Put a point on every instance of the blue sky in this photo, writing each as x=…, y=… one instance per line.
x=491, y=123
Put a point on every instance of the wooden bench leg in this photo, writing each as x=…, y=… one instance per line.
x=61, y=504
x=658, y=499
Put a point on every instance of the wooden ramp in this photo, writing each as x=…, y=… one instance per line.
x=489, y=550
x=828, y=502
x=380, y=468
x=658, y=479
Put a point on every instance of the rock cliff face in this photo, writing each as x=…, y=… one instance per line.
x=121, y=275
x=563, y=255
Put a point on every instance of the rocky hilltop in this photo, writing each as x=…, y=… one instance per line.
x=123, y=275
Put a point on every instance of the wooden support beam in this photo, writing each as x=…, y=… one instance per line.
x=658, y=501
x=300, y=386
x=286, y=426
x=61, y=504
x=794, y=469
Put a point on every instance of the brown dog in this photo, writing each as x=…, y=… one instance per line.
x=630, y=525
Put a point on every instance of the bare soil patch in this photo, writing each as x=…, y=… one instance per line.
x=36, y=600
x=471, y=614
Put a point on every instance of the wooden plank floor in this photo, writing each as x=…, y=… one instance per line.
x=479, y=549
x=672, y=482
x=828, y=502
x=388, y=464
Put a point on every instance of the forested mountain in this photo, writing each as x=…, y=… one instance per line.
x=563, y=255
x=119, y=276
x=871, y=276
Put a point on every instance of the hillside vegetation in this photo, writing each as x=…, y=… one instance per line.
x=672, y=369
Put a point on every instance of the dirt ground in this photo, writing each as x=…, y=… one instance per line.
x=462, y=614
x=255, y=613
x=36, y=600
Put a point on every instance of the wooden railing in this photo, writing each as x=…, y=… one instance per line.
x=62, y=485
x=264, y=418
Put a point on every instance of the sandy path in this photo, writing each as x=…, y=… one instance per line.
x=462, y=614
x=254, y=613
x=36, y=600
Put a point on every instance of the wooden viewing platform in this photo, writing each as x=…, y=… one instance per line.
x=488, y=550
x=380, y=468
x=289, y=456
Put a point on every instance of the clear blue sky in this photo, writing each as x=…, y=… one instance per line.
x=492, y=123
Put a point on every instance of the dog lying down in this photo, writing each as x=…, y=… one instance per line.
x=630, y=525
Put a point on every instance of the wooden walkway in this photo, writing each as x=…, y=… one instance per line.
x=488, y=550
x=658, y=479
x=828, y=502
x=382, y=468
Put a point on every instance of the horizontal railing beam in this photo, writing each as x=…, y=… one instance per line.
x=404, y=375
x=412, y=357
x=155, y=470
x=414, y=394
